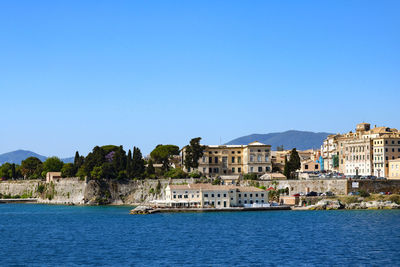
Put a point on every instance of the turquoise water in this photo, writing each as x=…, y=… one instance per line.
x=37, y=235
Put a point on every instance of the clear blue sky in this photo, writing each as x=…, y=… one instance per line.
x=75, y=74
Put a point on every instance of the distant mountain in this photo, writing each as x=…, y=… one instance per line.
x=19, y=155
x=300, y=140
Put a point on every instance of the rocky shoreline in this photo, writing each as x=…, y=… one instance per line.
x=327, y=204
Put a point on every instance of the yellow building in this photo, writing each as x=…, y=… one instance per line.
x=234, y=159
x=394, y=169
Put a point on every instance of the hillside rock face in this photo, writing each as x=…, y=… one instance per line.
x=73, y=191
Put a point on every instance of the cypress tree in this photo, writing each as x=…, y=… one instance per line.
x=287, y=169
x=138, y=167
x=129, y=164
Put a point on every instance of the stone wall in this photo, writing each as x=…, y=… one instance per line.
x=338, y=187
x=19, y=188
x=369, y=186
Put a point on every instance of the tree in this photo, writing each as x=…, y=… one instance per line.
x=68, y=170
x=78, y=161
x=138, y=167
x=150, y=168
x=163, y=153
x=194, y=151
x=335, y=161
x=175, y=173
x=52, y=164
x=119, y=160
x=6, y=171
x=287, y=169
x=31, y=168
x=129, y=164
x=294, y=160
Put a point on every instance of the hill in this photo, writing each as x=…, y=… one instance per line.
x=300, y=140
x=19, y=155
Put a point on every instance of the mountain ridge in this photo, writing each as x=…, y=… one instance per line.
x=301, y=140
x=19, y=155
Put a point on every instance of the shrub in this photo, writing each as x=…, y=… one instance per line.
x=364, y=193
x=175, y=173
x=250, y=176
x=41, y=188
x=395, y=198
x=216, y=181
x=194, y=174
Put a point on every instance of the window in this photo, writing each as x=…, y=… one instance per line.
x=239, y=151
x=240, y=201
x=204, y=170
x=259, y=158
x=185, y=196
x=179, y=196
x=245, y=201
x=262, y=194
x=306, y=166
x=224, y=195
x=204, y=159
x=266, y=158
x=256, y=195
x=216, y=170
x=233, y=159
x=219, y=195
x=245, y=195
x=316, y=166
x=174, y=196
x=210, y=170
x=251, y=195
x=205, y=195
x=251, y=169
x=240, y=195
x=239, y=159
x=212, y=195
x=239, y=170
x=251, y=158
x=231, y=198
x=259, y=150
x=392, y=149
x=233, y=152
x=259, y=169
x=267, y=169
x=216, y=159
x=210, y=159
x=219, y=203
x=233, y=170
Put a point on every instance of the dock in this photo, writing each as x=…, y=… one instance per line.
x=151, y=210
x=18, y=200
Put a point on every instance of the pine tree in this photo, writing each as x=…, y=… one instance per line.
x=194, y=151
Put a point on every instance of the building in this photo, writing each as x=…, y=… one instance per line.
x=234, y=159
x=50, y=176
x=217, y=196
x=394, y=169
x=310, y=166
x=362, y=153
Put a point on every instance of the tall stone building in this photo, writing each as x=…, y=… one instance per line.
x=364, y=152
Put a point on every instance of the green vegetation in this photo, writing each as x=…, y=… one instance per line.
x=162, y=154
x=250, y=176
x=292, y=165
x=32, y=168
x=194, y=151
x=175, y=173
x=217, y=181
